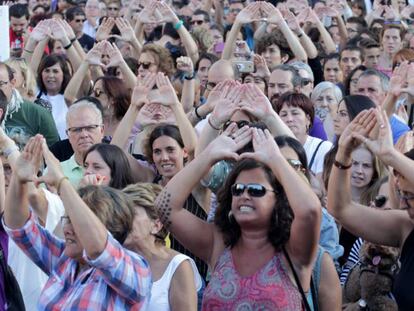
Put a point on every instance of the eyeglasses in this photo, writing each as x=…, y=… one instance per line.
x=65, y=220
x=3, y=83
x=144, y=65
x=254, y=190
x=197, y=22
x=112, y=8
x=296, y=164
x=240, y=124
x=88, y=128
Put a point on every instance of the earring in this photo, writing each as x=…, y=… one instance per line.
x=230, y=216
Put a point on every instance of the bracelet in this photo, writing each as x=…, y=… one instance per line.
x=178, y=24
x=197, y=114
x=60, y=183
x=210, y=122
x=9, y=150
x=27, y=51
x=68, y=46
x=342, y=166
x=189, y=77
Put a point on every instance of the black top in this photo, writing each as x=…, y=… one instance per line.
x=403, y=283
x=193, y=207
x=86, y=42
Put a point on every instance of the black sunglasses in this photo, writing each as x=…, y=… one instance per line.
x=144, y=65
x=254, y=190
x=197, y=22
x=240, y=124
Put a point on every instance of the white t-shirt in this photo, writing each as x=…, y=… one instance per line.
x=30, y=277
x=160, y=289
x=310, y=147
x=59, y=110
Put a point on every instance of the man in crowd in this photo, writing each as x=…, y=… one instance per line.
x=76, y=18
x=84, y=128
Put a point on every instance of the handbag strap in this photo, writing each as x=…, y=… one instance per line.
x=302, y=293
x=314, y=155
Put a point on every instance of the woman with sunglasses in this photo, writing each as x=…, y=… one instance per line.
x=390, y=227
x=254, y=238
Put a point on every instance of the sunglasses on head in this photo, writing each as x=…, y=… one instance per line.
x=144, y=65
x=240, y=124
x=254, y=190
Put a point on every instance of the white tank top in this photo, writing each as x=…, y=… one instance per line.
x=159, y=293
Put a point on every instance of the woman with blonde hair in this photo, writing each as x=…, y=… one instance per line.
x=25, y=79
x=175, y=276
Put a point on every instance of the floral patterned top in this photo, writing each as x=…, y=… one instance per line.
x=269, y=288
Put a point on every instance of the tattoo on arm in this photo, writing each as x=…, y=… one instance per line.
x=163, y=204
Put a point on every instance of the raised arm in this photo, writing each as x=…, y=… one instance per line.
x=93, y=58
x=169, y=99
x=186, y=38
x=259, y=106
x=329, y=44
x=275, y=17
x=380, y=227
x=225, y=98
x=128, y=35
x=185, y=65
x=304, y=236
x=89, y=229
x=138, y=99
x=195, y=234
x=249, y=14
x=38, y=37
x=400, y=83
x=116, y=60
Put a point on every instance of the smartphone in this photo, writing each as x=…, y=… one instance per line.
x=244, y=66
x=219, y=47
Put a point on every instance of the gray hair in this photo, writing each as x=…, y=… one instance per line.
x=322, y=87
x=385, y=80
x=84, y=104
x=298, y=65
x=296, y=78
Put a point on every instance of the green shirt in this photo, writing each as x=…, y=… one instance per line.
x=29, y=120
x=72, y=170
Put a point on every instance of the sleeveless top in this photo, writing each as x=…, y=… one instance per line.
x=269, y=288
x=194, y=208
x=160, y=289
x=403, y=282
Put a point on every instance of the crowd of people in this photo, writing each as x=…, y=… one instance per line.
x=207, y=155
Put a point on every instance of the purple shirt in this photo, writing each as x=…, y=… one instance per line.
x=317, y=129
x=4, y=241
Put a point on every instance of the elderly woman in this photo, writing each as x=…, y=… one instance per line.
x=326, y=97
x=255, y=245
x=89, y=269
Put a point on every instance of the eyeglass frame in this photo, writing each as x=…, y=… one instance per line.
x=79, y=130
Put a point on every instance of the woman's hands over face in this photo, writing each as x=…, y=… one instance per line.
x=167, y=91
x=228, y=102
x=363, y=124
x=141, y=90
x=226, y=145
x=379, y=141
x=255, y=102
x=265, y=148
